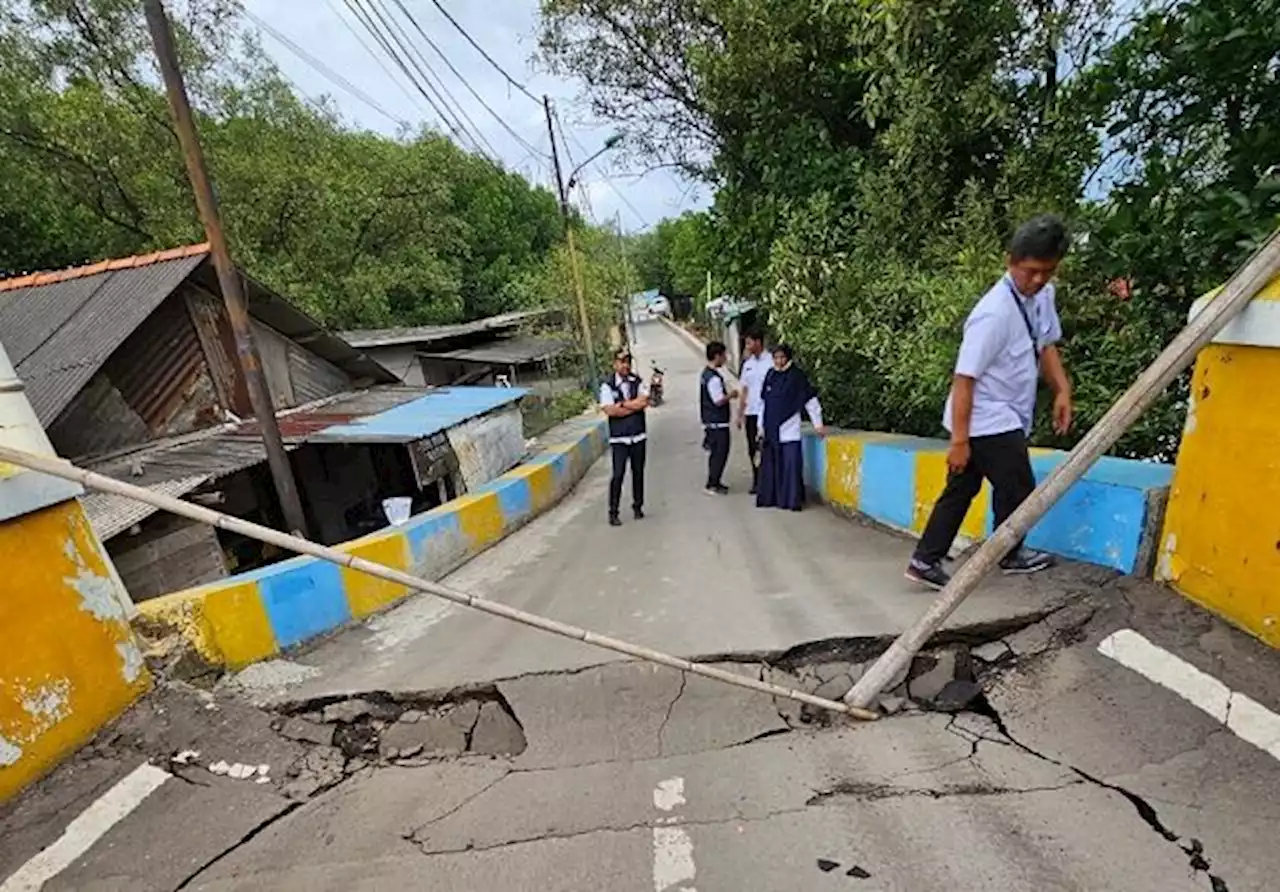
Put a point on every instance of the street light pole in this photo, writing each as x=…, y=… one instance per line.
x=563, y=193
x=228, y=277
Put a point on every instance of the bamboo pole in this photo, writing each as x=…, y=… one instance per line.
x=56, y=467
x=1181, y=352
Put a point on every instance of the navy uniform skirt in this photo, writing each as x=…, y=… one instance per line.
x=781, y=476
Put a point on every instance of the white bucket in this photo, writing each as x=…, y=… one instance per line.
x=397, y=509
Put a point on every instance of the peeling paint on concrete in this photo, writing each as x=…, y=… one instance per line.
x=48, y=702
x=130, y=659
x=97, y=594
x=10, y=752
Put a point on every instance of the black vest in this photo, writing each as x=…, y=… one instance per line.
x=631, y=425
x=711, y=413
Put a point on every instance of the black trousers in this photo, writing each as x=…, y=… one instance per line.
x=753, y=448
x=717, y=443
x=1001, y=459
x=622, y=454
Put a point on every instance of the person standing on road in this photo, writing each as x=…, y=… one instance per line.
x=755, y=366
x=785, y=392
x=715, y=407
x=624, y=397
x=1009, y=341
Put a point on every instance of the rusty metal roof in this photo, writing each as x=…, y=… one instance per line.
x=508, y=351
x=432, y=334
x=60, y=331
x=59, y=328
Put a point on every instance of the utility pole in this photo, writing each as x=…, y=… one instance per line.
x=563, y=193
x=630, y=321
x=228, y=277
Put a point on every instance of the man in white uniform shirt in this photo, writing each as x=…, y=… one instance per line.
x=755, y=366
x=1010, y=340
x=624, y=396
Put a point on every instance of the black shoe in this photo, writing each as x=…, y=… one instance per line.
x=1026, y=561
x=717, y=489
x=615, y=520
x=639, y=513
x=929, y=575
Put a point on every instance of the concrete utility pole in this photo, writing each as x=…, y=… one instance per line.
x=228, y=277
x=1181, y=352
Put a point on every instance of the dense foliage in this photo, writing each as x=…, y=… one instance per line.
x=361, y=229
x=869, y=159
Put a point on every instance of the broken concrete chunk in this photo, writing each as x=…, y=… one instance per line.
x=828, y=671
x=891, y=705
x=1032, y=640
x=412, y=716
x=1070, y=618
x=347, y=710
x=434, y=734
x=319, y=769
x=497, y=733
x=930, y=673
x=465, y=714
x=992, y=652
x=834, y=688
x=410, y=752
x=354, y=740
x=300, y=729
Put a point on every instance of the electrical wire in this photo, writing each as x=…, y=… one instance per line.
x=608, y=180
x=406, y=65
x=471, y=40
x=432, y=78
x=322, y=69
x=514, y=135
x=376, y=58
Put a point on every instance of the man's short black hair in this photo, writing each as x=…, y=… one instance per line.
x=1043, y=237
x=754, y=334
x=715, y=349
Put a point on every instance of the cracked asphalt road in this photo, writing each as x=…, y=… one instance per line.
x=1071, y=773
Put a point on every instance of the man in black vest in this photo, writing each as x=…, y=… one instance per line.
x=715, y=402
x=624, y=397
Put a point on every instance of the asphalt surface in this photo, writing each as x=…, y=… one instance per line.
x=1074, y=773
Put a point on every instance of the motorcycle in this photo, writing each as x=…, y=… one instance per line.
x=655, y=386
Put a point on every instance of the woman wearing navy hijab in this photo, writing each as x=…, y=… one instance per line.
x=786, y=392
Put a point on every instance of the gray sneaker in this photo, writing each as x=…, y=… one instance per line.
x=929, y=575
x=1026, y=561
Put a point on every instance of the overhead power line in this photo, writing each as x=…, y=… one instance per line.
x=471, y=40
x=394, y=48
x=322, y=69
x=373, y=54
x=431, y=43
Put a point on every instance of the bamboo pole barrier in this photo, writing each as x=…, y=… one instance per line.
x=60, y=468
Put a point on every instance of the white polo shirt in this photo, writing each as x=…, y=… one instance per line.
x=754, y=368
x=607, y=399
x=997, y=352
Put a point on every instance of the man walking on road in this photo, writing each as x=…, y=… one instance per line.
x=751, y=380
x=1009, y=341
x=714, y=404
x=624, y=397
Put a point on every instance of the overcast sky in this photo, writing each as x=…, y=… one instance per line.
x=506, y=29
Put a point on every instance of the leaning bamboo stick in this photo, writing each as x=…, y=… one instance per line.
x=55, y=467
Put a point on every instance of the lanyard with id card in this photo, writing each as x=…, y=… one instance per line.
x=1026, y=320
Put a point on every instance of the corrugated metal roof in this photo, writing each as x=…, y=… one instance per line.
x=439, y=410
x=509, y=351
x=179, y=465
x=60, y=327
x=430, y=334
x=110, y=514
x=62, y=333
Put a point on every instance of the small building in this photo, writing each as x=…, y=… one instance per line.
x=491, y=351
x=129, y=366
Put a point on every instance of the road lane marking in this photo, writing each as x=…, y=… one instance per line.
x=1243, y=716
x=673, y=867
x=87, y=828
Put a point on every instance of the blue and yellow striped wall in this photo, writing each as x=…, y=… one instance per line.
x=255, y=616
x=1112, y=517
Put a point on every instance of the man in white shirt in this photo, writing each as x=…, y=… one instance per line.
x=624, y=397
x=1010, y=340
x=755, y=365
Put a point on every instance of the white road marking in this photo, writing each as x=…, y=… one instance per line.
x=673, y=867
x=1246, y=718
x=87, y=828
